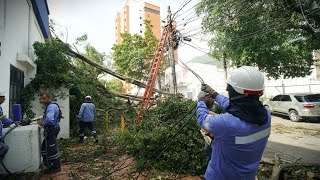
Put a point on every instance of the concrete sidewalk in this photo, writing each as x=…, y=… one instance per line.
x=293, y=141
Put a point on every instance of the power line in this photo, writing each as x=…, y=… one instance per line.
x=314, y=29
x=184, y=18
x=189, y=20
x=187, y=11
x=173, y=16
x=194, y=73
x=261, y=32
x=167, y=145
x=197, y=49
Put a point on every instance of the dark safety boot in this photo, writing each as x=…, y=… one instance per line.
x=95, y=138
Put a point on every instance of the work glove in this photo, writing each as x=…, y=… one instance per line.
x=206, y=88
x=202, y=95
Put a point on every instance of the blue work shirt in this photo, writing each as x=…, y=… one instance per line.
x=4, y=121
x=87, y=112
x=238, y=145
x=51, y=115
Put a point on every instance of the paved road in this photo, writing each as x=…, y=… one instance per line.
x=292, y=140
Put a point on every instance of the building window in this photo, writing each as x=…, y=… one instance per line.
x=140, y=24
x=140, y=17
x=140, y=31
x=125, y=20
x=16, y=86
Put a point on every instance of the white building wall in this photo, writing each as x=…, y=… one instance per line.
x=134, y=17
x=19, y=30
x=64, y=104
x=189, y=85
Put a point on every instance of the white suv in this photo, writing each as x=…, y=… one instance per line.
x=296, y=106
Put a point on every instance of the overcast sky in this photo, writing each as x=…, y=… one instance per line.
x=96, y=18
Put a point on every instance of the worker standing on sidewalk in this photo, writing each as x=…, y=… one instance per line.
x=240, y=135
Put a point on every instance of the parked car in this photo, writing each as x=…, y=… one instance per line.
x=296, y=106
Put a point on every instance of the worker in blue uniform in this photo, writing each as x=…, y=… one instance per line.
x=50, y=123
x=3, y=121
x=240, y=135
x=213, y=108
x=86, y=117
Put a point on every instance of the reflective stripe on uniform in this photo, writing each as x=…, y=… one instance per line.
x=206, y=122
x=54, y=156
x=253, y=137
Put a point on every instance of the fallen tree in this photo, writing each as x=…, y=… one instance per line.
x=107, y=70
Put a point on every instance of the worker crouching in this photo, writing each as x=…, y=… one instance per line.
x=3, y=121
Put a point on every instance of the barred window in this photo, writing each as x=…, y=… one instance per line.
x=16, y=86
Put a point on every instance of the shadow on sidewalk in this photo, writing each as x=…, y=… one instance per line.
x=290, y=153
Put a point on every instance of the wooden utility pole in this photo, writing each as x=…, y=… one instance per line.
x=171, y=53
x=225, y=68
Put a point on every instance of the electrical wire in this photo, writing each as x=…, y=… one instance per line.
x=194, y=18
x=268, y=29
x=1, y=160
x=258, y=32
x=166, y=146
x=194, y=73
x=185, y=17
x=197, y=49
x=173, y=16
x=187, y=11
x=164, y=140
x=314, y=29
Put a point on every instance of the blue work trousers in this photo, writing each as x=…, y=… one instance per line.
x=49, y=148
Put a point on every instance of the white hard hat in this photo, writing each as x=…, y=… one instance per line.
x=247, y=80
x=2, y=94
x=88, y=97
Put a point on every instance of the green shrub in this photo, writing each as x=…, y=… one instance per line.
x=168, y=139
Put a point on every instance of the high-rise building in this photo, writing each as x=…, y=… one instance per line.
x=132, y=19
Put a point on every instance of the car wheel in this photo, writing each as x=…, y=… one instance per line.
x=294, y=116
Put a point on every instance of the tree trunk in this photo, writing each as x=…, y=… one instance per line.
x=105, y=69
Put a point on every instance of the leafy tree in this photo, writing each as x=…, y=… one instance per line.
x=133, y=57
x=55, y=70
x=114, y=85
x=276, y=36
x=130, y=56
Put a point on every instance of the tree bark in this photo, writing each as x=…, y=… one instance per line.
x=105, y=69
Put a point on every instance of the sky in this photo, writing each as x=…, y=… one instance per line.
x=96, y=18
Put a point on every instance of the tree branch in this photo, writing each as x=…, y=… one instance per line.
x=105, y=69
